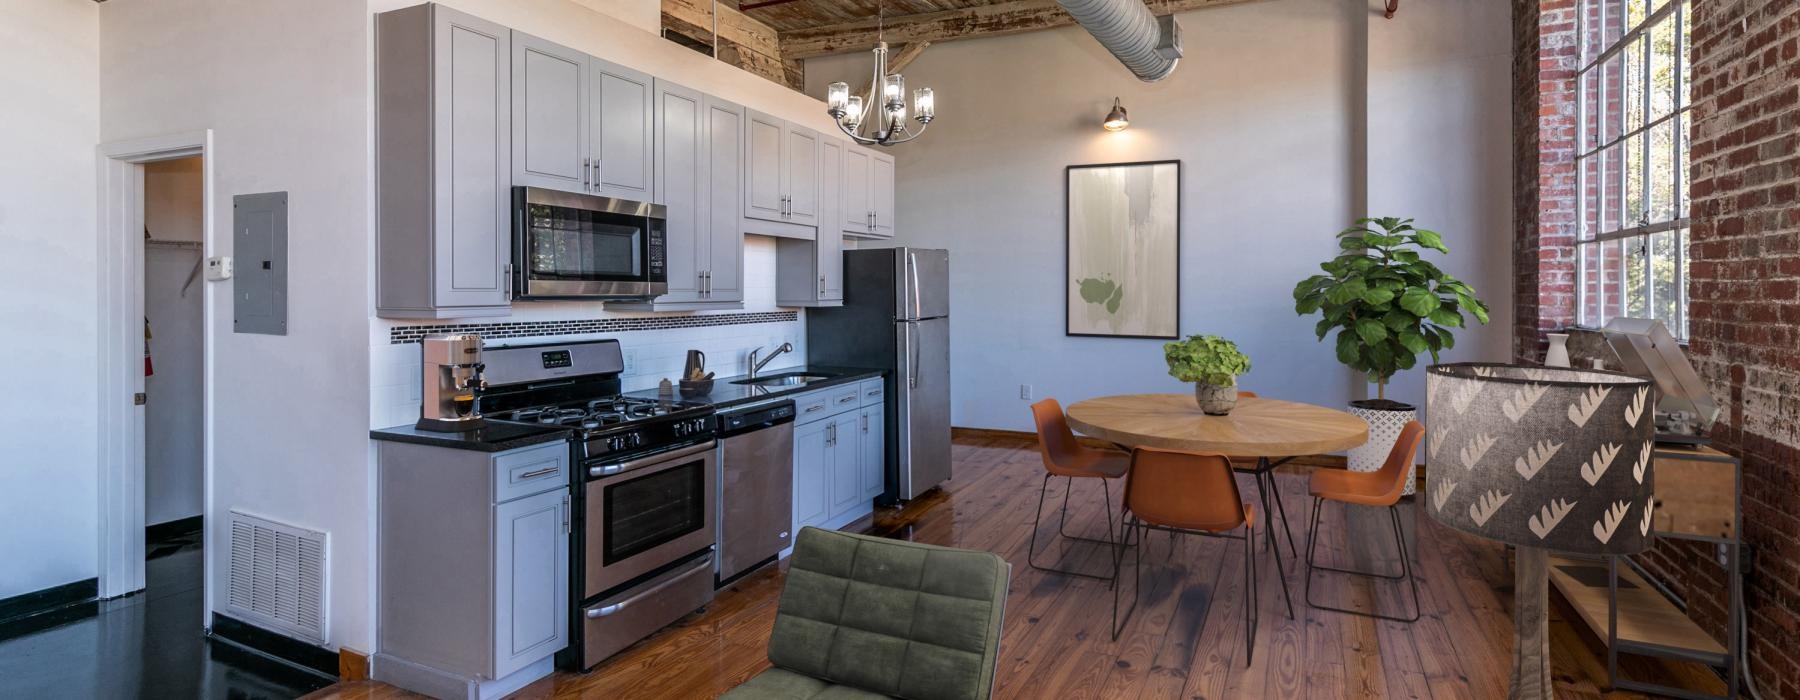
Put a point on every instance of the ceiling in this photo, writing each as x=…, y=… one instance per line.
x=786, y=15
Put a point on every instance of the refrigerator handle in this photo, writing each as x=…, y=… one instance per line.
x=912, y=349
x=912, y=273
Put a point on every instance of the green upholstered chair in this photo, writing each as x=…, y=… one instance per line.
x=866, y=617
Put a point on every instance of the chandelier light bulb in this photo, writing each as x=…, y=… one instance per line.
x=853, y=111
x=894, y=92
x=924, y=103
x=837, y=96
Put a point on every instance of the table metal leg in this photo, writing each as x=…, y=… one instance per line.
x=1263, y=465
x=1262, y=491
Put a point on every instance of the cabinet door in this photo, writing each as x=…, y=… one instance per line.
x=765, y=195
x=725, y=150
x=682, y=176
x=855, y=207
x=829, y=245
x=471, y=188
x=802, y=175
x=846, y=461
x=881, y=192
x=531, y=579
x=874, y=451
x=812, y=474
x=549, y=109
x=622, y=132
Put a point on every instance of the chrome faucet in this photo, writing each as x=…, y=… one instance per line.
x=756, y=365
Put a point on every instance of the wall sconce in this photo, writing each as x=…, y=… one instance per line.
x=1115, y=120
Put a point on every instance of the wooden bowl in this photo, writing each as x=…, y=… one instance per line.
x=691, y=388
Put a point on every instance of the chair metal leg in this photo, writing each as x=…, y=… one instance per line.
x=1251, y=614
x=1399, y=545
x=1037, y=519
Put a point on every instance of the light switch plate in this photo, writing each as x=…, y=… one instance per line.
x=218, y=268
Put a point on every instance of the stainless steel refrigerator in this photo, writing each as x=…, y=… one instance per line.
x=896, y=317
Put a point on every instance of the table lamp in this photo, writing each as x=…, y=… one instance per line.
x=1544, y=459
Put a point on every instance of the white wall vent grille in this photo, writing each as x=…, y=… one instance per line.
x=277, y=576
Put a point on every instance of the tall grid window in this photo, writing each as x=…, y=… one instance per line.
x=1632, y=162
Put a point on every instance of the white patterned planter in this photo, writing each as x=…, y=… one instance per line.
x=1385, y=419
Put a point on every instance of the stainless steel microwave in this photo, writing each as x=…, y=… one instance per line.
x=579, y=246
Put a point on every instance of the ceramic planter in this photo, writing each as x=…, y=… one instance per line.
x=1215, y=400
x=1385, y=419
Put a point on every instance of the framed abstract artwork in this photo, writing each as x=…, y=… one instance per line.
x=1123, y=230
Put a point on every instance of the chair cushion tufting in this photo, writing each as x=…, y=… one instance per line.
x=897, y=618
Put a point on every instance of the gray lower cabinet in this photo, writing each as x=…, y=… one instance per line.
x=699, y=145
x=839, y=460
x=443, y=134
x=811, y=272
x=473, y=561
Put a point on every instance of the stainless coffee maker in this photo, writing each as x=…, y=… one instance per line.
x=452, y=382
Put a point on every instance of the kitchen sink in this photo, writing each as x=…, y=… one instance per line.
x=787, y=379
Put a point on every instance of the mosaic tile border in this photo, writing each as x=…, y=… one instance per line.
x=401, y=335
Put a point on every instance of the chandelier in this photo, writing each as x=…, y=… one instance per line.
x=884, y=118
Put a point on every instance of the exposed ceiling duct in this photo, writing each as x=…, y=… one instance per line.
x=1149, y=46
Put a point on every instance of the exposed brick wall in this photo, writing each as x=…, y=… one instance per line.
x=1744, y=282
x=1745, y=300
x=1546, y=57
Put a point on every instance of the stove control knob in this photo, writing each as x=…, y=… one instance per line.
x=637, y=440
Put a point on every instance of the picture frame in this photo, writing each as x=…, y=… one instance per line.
x=1122, y=250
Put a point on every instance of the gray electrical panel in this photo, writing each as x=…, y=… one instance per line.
x=259, y=245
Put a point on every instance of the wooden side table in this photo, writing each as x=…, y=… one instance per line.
x=1698, y=498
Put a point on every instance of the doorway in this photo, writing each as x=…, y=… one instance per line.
x=154, y=315
x=174, y=388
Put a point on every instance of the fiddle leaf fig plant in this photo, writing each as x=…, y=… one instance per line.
x=1386, y=302
x=1206, y=359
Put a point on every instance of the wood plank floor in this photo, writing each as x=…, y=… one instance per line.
x=1186, y=638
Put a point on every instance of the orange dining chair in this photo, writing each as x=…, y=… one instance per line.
x=1066, y=457
x=1190, y=494
x=1381, y=489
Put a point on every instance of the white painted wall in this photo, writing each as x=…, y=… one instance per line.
x=173, y=459
x=1266, y=114
x=285, y=89
x=49, y=66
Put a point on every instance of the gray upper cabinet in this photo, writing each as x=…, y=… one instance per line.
x=881, y=193
x=856, y=211
x=802, y=175
x=781, y=177
x=622, y=132
x=765, y=167
x=550, y=116
x=867, y=197
x=699, y=148
x=811, y=272
x=443, y=140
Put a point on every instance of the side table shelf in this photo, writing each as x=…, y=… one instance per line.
x=1698, y=494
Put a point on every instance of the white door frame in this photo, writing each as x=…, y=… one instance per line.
x=120, y=315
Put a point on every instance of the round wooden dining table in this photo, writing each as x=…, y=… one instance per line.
x=1270, y=430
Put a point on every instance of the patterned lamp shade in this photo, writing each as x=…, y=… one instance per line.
x=1553, y=458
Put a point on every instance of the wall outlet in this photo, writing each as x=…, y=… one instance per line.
x=1024, y=392
x=630, y=362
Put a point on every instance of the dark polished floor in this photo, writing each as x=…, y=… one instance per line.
x=146, y=645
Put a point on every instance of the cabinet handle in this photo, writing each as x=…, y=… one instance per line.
x=565, y=514
x=709, y=283
x=865, y=418
x=816, y=407
x=596, y=174
x=506, y=275
x=546, y=471
x=832, y=438
x=587, y=171
x=821, y=284
x=847, y=398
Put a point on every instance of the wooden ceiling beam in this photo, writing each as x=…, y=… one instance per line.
x=734, y=26
x=1011, y=17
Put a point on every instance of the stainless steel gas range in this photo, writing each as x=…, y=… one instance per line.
x=644, y=485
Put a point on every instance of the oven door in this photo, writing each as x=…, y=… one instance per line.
x=568, y=245
x=646, y=514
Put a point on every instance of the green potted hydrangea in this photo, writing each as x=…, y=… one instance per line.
x=1213, y=364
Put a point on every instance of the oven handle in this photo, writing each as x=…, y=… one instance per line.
x=605, y=610
x=658, y=458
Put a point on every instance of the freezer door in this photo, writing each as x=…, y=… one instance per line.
x=922, y=385
x=924, y=288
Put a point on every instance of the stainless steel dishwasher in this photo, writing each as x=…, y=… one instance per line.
x=756, y=486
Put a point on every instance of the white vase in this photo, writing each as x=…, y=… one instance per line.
x=1385, y=419
x=1558, y=354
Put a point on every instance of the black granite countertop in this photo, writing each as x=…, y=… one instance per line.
x=496, y=437
x=725, y=394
